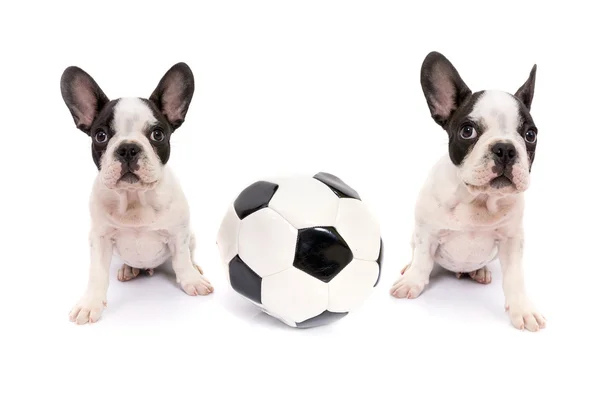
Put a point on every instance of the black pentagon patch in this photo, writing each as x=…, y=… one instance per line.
x=245, y=281
x=325, y=318
x=379, y=261
x=254, y=197
x=321, y=252
x=339, y=187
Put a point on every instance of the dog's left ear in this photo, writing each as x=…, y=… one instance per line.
x=443, y=87
x=525, y=92
x=83, y=97
x=174, y=93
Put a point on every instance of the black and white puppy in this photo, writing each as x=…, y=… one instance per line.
x=138, y=210
x=470, y=210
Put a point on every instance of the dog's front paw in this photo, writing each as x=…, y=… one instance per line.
x=409, y=286
x=523, y=314
x=88, y=309
x=197, y=284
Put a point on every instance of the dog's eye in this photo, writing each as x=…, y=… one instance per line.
x=101, y=137
x=468, y=132
x=157, y=135
x=530, y=136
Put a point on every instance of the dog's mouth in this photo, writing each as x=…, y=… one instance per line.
x=129, y=177
x=501, y=182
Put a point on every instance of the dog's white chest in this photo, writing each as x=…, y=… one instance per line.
x=466, y=251
x=142, y=249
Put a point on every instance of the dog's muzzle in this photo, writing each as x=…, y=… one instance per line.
x=128, y=154
x=505, y=156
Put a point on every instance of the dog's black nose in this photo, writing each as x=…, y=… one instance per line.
x=128, y=152
x=505, y=153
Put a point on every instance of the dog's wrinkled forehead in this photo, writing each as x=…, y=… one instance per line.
x=498, y=111
x=126, y=116
x=131, y=116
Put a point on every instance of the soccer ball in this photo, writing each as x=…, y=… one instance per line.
x=305, y=250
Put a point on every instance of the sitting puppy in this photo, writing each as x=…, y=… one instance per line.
x=470, y=210
x=138, y=210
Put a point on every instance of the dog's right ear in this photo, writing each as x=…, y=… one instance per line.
x=174, y=93
x=525, y=92
x=83, y=97
x=443, y=87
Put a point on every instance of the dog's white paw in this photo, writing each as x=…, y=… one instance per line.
x=88, y=309
x=127, y=273
x=523, y=314
x=409, y=286
x=197, y=284
x=482, y=275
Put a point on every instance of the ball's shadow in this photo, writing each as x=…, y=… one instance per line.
x=245, y=310
x=265, y=320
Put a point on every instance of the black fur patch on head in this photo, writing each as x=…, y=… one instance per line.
x=163, y=148
x=103, y=123
x=527, y=124
x=459, y=148
x=524, y=97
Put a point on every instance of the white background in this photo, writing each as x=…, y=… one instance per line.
x=295, y=87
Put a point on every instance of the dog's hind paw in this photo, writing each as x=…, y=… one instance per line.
x=482, y=275
x=127, y=273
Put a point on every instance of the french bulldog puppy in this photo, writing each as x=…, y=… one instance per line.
x=469, y=211
x=138, y=210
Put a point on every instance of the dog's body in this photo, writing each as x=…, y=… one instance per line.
x=138, y=210
x=467, y=226
x=470, y=209
x=141, y=224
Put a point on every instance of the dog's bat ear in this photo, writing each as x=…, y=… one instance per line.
x=83, y=97
x=443, y=87
x=174, y=93
x=525, y=92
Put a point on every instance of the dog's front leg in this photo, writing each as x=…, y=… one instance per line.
x=90, y=306
x=415, y=275
x=188, y=275
x=521, y=310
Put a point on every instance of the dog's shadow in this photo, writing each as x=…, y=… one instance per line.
x=447, y=293
x=439, y=275
x=144, y=287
